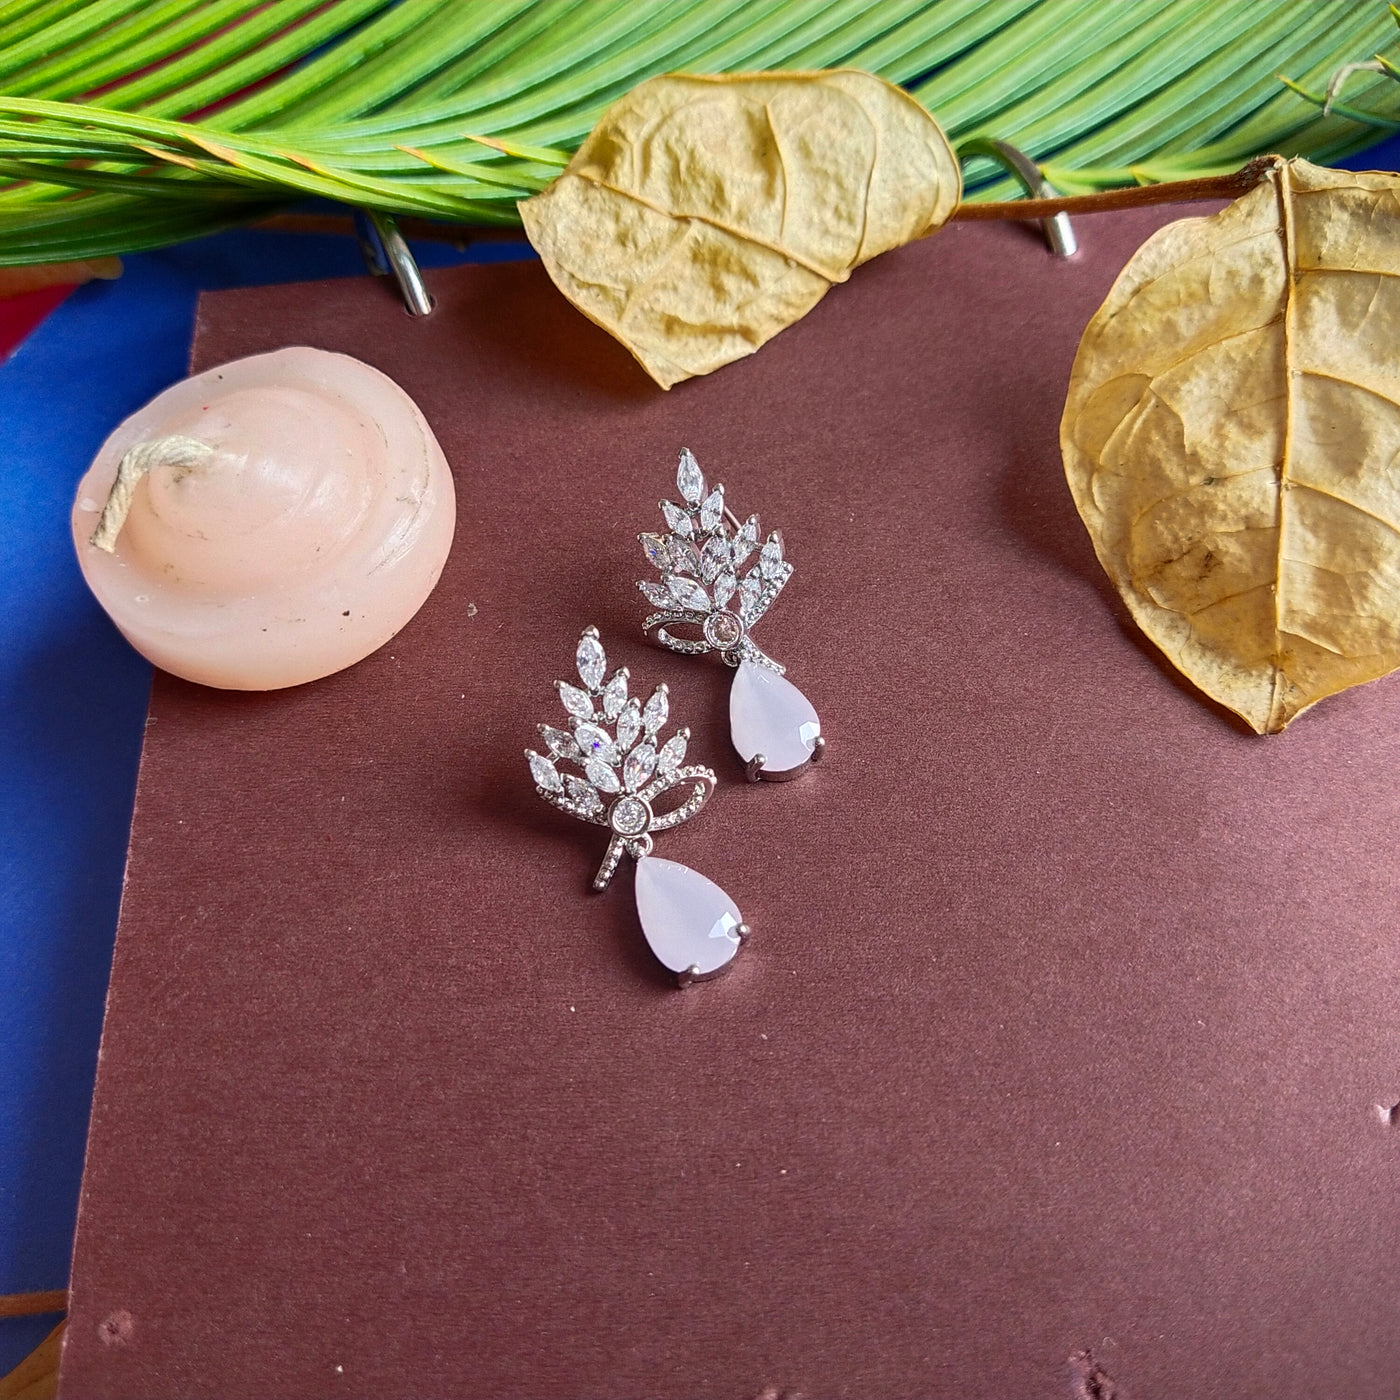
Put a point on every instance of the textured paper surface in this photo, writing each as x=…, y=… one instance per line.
x=1069, y=1002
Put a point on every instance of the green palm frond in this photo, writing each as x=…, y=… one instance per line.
x=126, y=124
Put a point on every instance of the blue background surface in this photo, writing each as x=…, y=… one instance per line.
x=74, y=696
x=74, y=699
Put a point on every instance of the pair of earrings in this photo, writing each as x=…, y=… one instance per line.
x=614, y=739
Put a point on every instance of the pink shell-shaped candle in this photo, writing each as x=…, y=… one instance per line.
x=273, y=520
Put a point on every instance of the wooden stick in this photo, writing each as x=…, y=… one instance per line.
x=55, y=1300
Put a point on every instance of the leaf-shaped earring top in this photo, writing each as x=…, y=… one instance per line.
x=613, y=740
x=701, y=563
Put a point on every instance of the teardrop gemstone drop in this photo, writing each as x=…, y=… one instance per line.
x=690, y=923
x=769, y=715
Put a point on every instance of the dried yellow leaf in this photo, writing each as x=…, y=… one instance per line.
x=704, y=214
x=1232, y=440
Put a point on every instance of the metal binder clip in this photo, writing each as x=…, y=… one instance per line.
x=1059, y=232
x=384, y=251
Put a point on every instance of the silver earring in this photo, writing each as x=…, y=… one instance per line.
x=774, y=726
x=692, y=926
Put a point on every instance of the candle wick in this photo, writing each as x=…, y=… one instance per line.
x=174, y=451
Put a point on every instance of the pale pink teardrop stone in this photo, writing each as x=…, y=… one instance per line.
x=310, y=535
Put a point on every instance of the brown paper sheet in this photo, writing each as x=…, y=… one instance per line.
x=1069, y=1006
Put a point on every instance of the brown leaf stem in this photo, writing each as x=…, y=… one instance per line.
x=54, y=1300
x=36, y=1377
x=1229, y=186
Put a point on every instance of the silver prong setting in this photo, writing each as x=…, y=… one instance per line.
x=781, y=775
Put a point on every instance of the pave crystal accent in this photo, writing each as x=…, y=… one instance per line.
x=615, y=694
x=544, y=772
x=561, y=744
x=712, y=510
x=629, y=725
x=596, y=743
x=585, y=794
x=688, y=593
x=590, y=661
x=658, y=707
x=629, y=816
x=640, y=765
x=577, y=702
x=701, y=779
x=601, y=776
x=689, y=481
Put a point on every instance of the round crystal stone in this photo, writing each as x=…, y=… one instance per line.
x=629, y=816
x=723, y=630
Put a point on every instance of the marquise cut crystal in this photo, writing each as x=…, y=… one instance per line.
x=657, y=551
x=596, y=743
x=770, y=560
x=688, y=593
x=689, y=922
x=689, y=480
x=751, y=595
x=672, y=753
x=615, y=695
x=687, y=558
x=677, y=520
x=601, y=776
x=577, y=702
x=745, y=540
x=712, y=509
x=629, y=725
x=657, y=708
x=714, y=558
x=561, y=744
x=591, y=661
x=640, y=765
x=544, y=772
x=768, y=715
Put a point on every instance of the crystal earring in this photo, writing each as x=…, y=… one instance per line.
x=774, y=726
x=692, y=926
